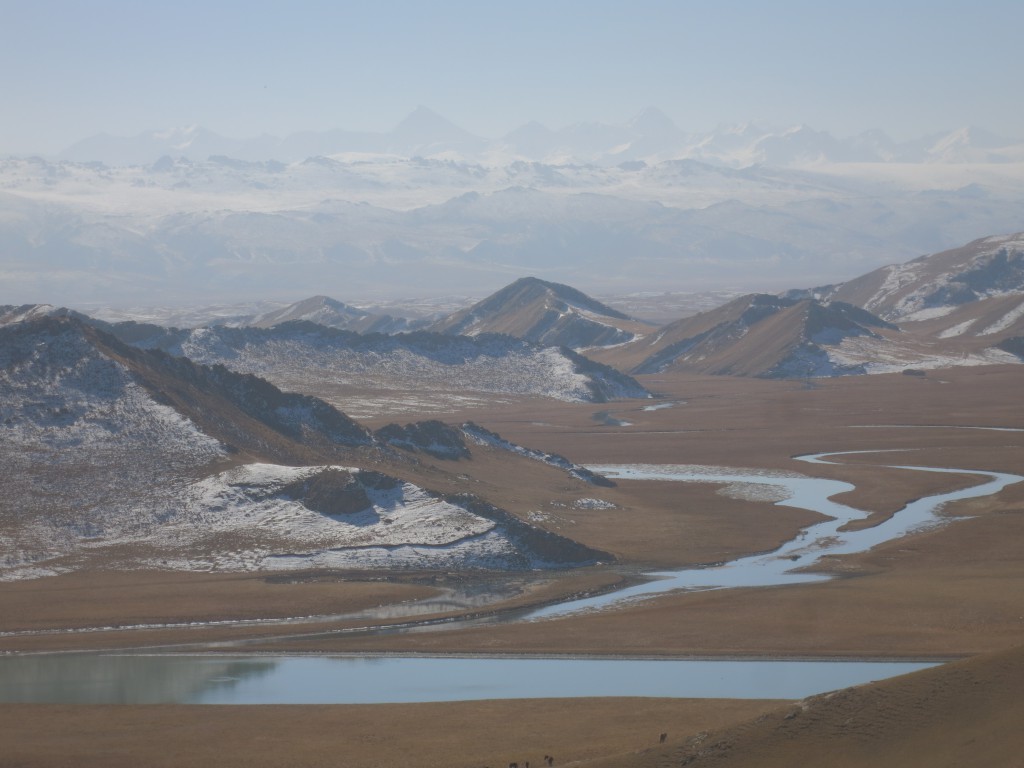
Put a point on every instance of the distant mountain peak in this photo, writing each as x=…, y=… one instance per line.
x=331, y=313
x=546, y=313
x=652, y=120
x=535, y=287
x=426, y=126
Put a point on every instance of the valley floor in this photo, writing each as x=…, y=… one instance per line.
x=953, y=591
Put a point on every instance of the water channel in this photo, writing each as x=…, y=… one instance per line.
x=783, y=565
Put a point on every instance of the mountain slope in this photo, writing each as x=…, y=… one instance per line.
x=936, y=285
x=960, y=713
x=310, y=358
x=546, y=313
x=959, y=307
x=121, y=457
x=964, y=306
x=755, y=335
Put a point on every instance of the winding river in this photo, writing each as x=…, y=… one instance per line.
x=783, y=565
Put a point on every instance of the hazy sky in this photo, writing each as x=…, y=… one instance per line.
x=73, y=68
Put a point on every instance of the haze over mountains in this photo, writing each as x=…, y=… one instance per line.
x=649, y=134
x=428, y=210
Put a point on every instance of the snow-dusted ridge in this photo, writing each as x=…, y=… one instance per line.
x=268, y=516
x=302, y=356
x=936, y=285
x=117, y=456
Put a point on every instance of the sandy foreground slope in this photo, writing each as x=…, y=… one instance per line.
x=457, y=735
x=953, y=591
x=968, y=713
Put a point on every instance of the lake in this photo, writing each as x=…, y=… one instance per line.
x=215, y=679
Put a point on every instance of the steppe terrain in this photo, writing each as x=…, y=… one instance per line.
x=949, y=592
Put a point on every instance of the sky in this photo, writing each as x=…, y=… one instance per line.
x=70, y=69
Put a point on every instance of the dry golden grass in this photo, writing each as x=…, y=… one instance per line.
x=456, y=735
x=106, y=598
x=964, y=714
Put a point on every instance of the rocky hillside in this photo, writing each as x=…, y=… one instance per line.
x=959, y=307
x=546, y=313
x=755, y=335
x=120, y=457
x=310, y=358
x=955, y=308
x=938, y=285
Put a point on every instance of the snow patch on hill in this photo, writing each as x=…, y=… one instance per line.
x=1006, y=321
x=259, y=501
x=58, y=392
x=957, y=330
x=893, y=356
x=996, y=268
x=308, y=358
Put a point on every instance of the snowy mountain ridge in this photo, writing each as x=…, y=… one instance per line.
x=649, y=135
x=220, y=232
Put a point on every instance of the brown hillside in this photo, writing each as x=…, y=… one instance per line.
x=546, y=313
x=967, y=713
x=949, y=278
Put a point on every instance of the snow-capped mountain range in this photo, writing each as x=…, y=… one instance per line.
x=427, y=210
x=649, y=135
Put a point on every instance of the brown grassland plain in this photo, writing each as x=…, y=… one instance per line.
x=953, y=591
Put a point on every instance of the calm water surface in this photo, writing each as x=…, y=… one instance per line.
x=137, y=679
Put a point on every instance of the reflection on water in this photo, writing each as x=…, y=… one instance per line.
x=780, y=566
x=87, y=678
x=93, y=679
